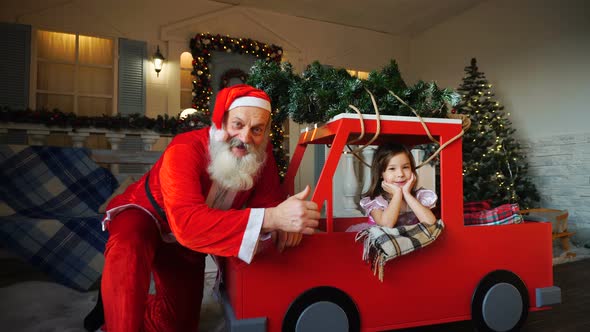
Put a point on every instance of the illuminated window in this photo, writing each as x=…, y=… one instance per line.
x=363, y=75
x=186, y=80
x=75, y=73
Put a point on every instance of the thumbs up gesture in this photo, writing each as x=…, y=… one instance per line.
x=294, y=215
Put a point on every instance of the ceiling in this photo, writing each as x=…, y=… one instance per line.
x=394, y=17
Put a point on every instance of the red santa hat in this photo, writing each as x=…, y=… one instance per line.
x=236, y=96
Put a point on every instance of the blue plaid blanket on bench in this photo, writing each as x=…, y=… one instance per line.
x=49, y=199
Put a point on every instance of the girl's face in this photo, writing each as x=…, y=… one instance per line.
x=398, y=170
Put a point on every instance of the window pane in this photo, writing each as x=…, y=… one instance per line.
x=186, y=79
x=92, y=106
x=96, y=51
x=55, y=77
x=56, y=46
x=363, y=75
x=186, y=99
x=50, y=101
x=95, y=80
x=186, y=60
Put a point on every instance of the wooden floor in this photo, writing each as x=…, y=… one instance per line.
x=572, y=315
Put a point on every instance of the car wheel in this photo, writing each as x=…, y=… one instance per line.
x=322, y=309
x=500, y=302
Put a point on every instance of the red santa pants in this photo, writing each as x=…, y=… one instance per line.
x=135, y=250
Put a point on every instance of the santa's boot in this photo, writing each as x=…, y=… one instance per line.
x=95, y=318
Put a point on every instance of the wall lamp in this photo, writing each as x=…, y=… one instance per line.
x=158, y=61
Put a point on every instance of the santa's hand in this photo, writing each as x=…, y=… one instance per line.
x=294, y=215
x=284, y=240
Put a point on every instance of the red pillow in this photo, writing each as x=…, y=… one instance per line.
x=500, y=215
x=470, y=207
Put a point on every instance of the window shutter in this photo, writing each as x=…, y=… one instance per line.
x=15, y=65
x=132, y=143
x=132, y=66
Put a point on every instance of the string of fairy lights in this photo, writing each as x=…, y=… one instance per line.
x=478, y=98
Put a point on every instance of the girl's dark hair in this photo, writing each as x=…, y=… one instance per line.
x=380, y=161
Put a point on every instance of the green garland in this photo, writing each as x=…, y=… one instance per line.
x=322, y=92
x=56, y=118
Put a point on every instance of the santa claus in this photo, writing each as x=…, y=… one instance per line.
x=213, y=191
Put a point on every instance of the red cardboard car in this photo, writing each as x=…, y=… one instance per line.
x=493, y=275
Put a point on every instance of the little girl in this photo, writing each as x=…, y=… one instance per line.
x=391, y=200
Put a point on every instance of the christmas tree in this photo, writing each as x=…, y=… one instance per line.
x=494, y=165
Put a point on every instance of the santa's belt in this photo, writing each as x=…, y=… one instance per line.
x=153, y=200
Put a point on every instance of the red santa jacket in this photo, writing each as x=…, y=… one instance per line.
x=179, y=183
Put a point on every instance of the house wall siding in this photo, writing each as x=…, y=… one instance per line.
x=560, y=167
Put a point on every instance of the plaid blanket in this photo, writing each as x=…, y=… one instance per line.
x=382, y=244
x=48, y=210
x=502, y=215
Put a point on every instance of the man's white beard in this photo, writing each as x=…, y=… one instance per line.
x=232, y=172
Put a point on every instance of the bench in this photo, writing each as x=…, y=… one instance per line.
x=558, y=218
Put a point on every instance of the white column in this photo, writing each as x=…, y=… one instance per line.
x=426, y=173
x=367, y=155
x=78, y=138
x=114, y=139
x=350, y=186
x=148, y=142
x=38, y=137
x=418, y=155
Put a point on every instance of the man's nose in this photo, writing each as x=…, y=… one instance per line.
x=245, y=136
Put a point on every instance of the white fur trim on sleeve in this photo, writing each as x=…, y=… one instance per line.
x=251, y=234
x=250, y=101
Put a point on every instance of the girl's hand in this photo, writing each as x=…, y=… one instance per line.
x=407, y=188
x=392, y=189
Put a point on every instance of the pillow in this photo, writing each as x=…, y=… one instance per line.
x=470, y=207
x=500, y=215
x=122, y=187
